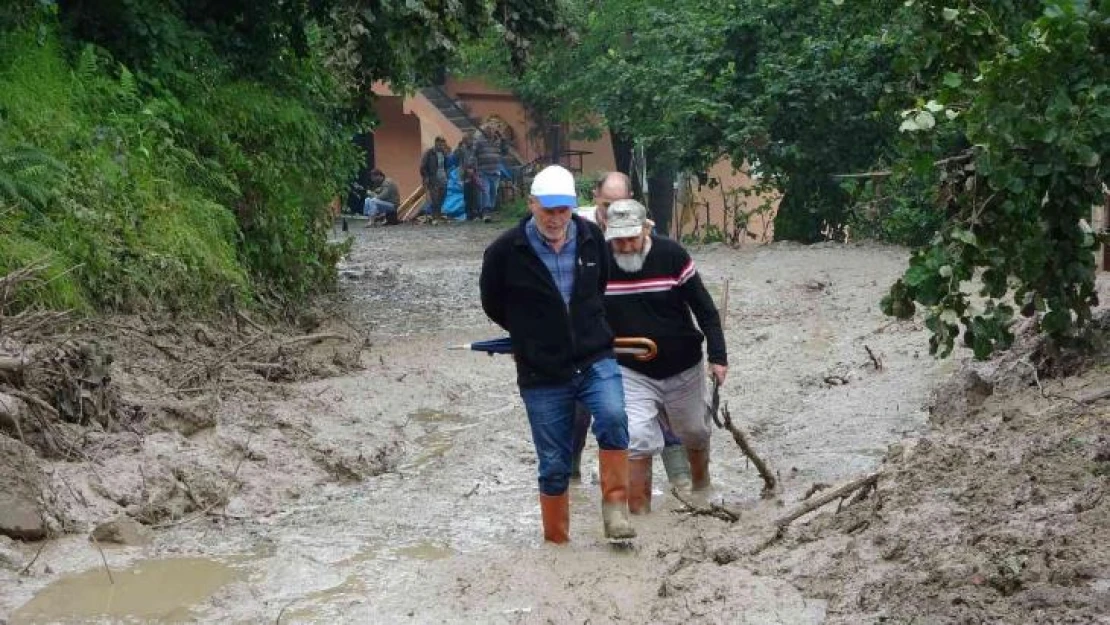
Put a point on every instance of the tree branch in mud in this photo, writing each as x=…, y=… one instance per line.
x=713, y=510
x=874, y=359
x=865, y=483
x=741, y=439
x=313, y=338
x=11, y=369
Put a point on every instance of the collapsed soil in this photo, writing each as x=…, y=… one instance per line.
x=379, y=476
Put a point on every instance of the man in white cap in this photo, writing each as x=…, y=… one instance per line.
x=544, y=281
x=653, y=289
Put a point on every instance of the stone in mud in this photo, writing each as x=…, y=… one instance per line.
x=21, y=513
x=960, y=396
x=122, y=530
x=184, y=417
x=9, y=557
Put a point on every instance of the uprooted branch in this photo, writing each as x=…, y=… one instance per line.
x=712, y=509
x=865, y=483
x=11, y=281
x=875, y=360
x=741, y=439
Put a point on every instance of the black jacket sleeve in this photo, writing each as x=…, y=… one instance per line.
x=428, y=165
x=492, y=284
x=602, y=259
x=709, y=320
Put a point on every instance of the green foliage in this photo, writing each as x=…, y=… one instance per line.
x=27, y=177
x=790, y=85
x=182, y=154
x=1029, y=89
x=985, y=124
x=106, y=197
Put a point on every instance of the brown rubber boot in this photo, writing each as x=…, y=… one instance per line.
x=639, y=485
x=699, y=467
x=555, y=510
x=613, y=467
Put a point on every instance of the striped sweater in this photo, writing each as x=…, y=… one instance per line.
x=656, y=302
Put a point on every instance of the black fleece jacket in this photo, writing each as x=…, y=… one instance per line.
x=551, y=340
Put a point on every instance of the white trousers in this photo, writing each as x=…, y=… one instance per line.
x=682, y=396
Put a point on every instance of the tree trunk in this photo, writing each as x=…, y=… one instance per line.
x=660, y=181
x=555, y=143
x=622, y=151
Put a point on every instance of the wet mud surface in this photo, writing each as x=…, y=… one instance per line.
x=405, y=491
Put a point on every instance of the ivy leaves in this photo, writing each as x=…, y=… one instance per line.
x=1035, y=107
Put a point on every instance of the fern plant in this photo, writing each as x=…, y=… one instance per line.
x=28, y=176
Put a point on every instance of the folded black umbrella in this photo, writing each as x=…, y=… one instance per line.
x=639, y=348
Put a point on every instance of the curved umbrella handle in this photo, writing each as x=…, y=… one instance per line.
x=642, y=349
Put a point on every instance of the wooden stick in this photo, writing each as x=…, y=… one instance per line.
x=867, y=481
x=243, y=316
x=874, y=359
x=12, y=366
x=103, y=558
x=741, y=439
x=34, y=559
x=713, y=510
x=724, y=306
x=313, y=338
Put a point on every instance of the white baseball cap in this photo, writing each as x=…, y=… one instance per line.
x=553, y=187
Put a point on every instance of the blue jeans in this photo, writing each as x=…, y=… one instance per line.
x=490, y=181
x=551, y=416
x=372, y=207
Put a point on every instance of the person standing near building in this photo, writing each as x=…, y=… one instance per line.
x=488, y=154
x=543, y=280
x=433, y=173
x=653, y=289
x=467, y=160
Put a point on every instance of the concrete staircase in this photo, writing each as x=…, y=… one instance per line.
x=446, y=105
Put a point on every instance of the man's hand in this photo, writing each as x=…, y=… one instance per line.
x=718, y=372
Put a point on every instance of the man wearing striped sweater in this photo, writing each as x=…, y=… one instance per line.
x=653, y=288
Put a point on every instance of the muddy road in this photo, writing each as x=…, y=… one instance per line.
x=450, y=531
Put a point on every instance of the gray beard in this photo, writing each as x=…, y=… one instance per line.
x=630, y=263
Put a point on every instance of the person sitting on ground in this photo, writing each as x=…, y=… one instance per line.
x=382, y=198
x=652, y=291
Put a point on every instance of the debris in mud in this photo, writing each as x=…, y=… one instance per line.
x=710, y=509
x=122, y=530
x=1000, y=515
x=741, y=440
x=186, y=417
x=358, y=464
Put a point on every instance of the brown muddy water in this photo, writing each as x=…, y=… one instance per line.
x=451, y=534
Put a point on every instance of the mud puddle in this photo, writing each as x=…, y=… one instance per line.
x=150, y=590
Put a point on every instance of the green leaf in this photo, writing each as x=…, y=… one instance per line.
x=966, y=237
x=950, y=14
x=953, y=80
x=916, y=275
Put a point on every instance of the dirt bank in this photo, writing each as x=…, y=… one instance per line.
x=404, y=487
